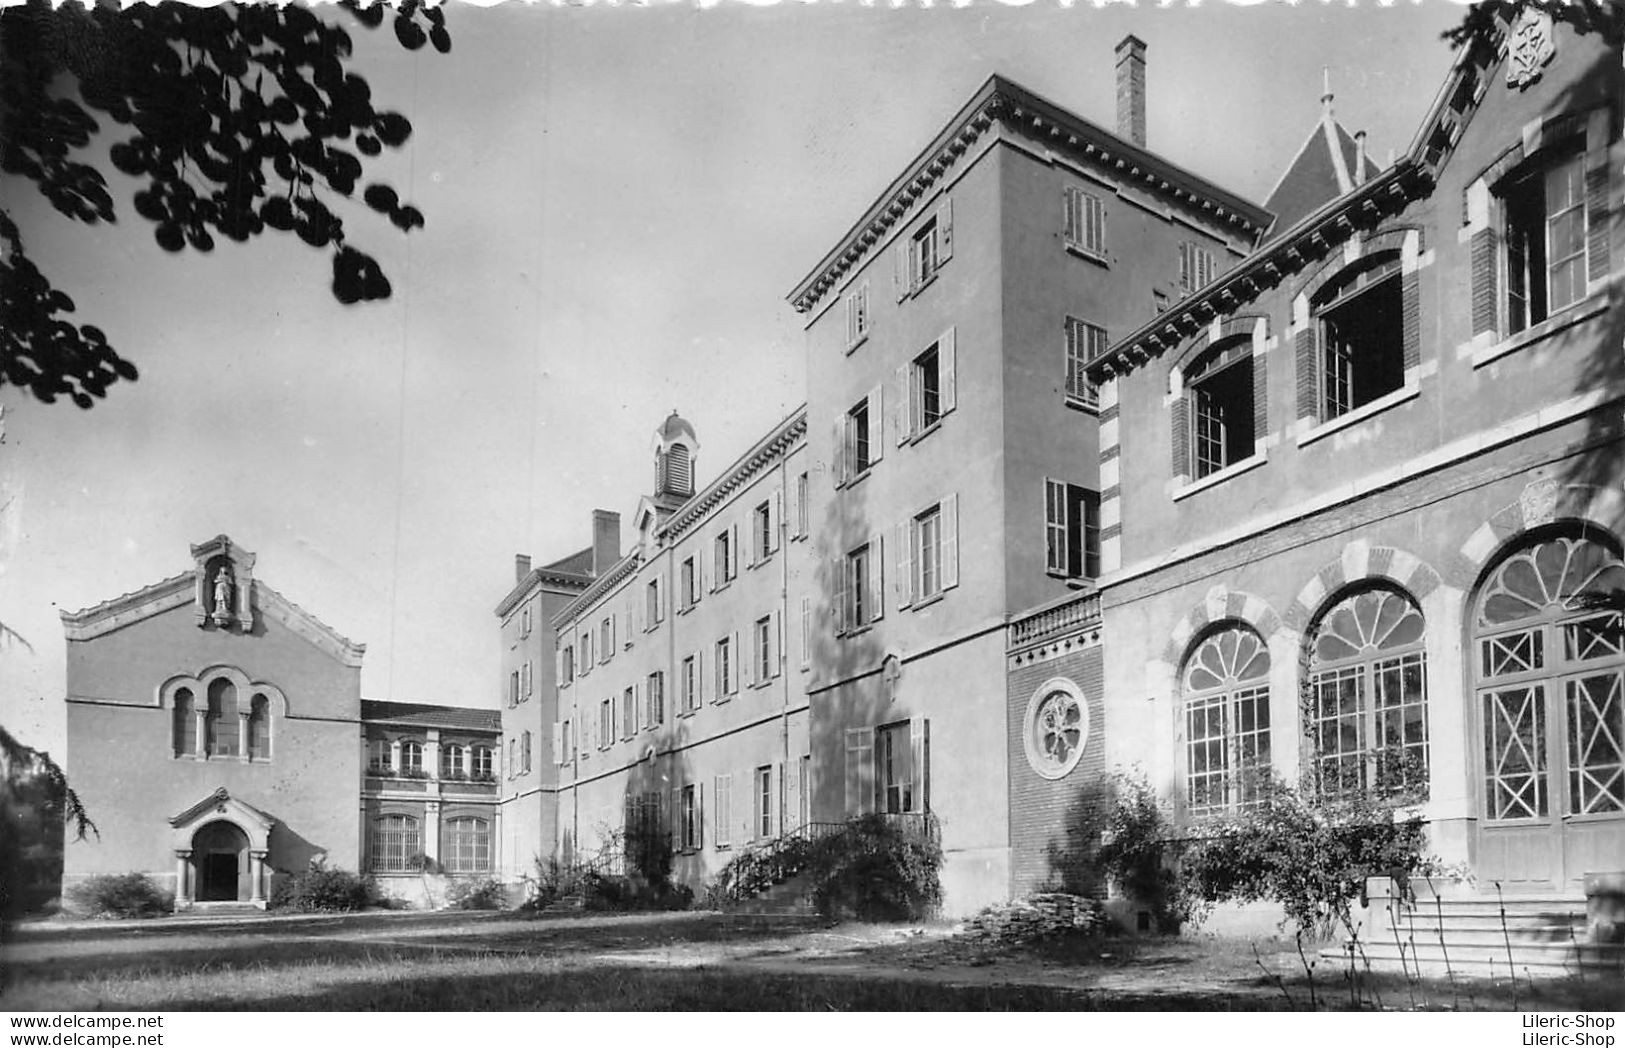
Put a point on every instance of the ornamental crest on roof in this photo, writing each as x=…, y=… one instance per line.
x=1530, y=47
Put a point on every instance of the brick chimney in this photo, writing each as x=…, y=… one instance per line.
x=606, y=540
x=521, y=566
x=1131, y=89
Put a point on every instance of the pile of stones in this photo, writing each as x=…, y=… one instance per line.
x=1035, y=917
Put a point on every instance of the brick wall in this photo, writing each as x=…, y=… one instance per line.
x=1039, y=806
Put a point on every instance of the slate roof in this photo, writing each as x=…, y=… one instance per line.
x=423, y=715
x=1313, y=178
x=579, y=563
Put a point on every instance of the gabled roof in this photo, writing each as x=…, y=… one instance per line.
x=1000, y=99
x=572, y=572
x=178, y=591
x=1291, y=247
x=1328, y=165
x=424, y=715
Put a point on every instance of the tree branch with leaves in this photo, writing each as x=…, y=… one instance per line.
x=237, y=120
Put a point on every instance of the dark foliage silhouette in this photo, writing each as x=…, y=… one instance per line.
x=1478, y=24
x=237, y=119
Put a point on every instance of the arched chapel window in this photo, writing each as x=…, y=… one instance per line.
x=220, y=726
x=184, y=730
x=1368, y=724
x=259, y=728
x=1227, y=720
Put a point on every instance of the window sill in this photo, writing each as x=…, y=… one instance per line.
x=926, y=432
x=852, y=347
x=916, y=288
x=856, y=631
x=760, y=562
x=685, y=714
x=852, y=482
x=1074, y=248
x=1079, y=404
x=927, y=601
x=685, y=611
x=761, y=684
x=1584, y=309
x=719, y=587
x=722, y=846
x=1408, y=391
x=1235, y=469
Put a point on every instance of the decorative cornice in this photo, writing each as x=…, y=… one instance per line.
x=303, y=624
x=127, y=608
x=775, y=445
x=221, y=797
x=1303, y=244
x=1316, y=234
x=1003, y=101
x=601, y=585
x=540, y=577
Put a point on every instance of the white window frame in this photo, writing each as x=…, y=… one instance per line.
x=859, y=319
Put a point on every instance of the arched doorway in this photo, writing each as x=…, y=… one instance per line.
x=1550, y=681
x=221, y=863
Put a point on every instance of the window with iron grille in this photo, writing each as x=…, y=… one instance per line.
x=394, y=843
x=466, y=845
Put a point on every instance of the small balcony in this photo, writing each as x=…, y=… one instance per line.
x=1071, y=614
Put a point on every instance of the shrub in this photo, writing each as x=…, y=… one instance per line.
x=874, y=871
x=870, y=869
x=1311, y=858
x=476, y=893
x=1116, y=832
x=120, y=895
x=323, y=890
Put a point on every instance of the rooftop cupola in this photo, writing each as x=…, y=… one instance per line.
x=675, y=448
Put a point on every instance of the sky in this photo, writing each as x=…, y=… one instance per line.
x=618, y=201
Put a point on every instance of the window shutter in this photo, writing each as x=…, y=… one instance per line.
x=948, y=395
x=796, y=495
x=945, y=230
x=776, y=807
x=699, y=679
x=735, y=654
x=950, y=542
x=639, y=712
x=903, y=581
x=919, y=739
x=558, y=743
x=901, y=267
x=723, y=793
x=903, y=404
x=613, y=629
x=1597, y=248
x=837, y=452
x=673, y=803
x=859, y=770
x=876, y=597
x=775, y=638
x=838, y=570
x=699, y=814
x=806, y=632
x=1179, y=433
x=775, y=520
x=1184, y=266
x=733, y=551
x=558, y=666
x=703, y=564
x=877, y=425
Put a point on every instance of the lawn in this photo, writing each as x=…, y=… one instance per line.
x=670, y=962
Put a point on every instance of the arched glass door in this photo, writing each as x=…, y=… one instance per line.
x=1549, y=662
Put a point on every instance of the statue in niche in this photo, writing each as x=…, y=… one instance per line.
x=222, y=595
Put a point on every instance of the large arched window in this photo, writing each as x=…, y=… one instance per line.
x=1368, y=724
x=394, y=842
x=467, y=845
x=220, y=726
x=1550, y=664
x=1227, y=720
x=259, y=728
x=185, y=727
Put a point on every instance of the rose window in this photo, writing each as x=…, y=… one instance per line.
x=1057, y=728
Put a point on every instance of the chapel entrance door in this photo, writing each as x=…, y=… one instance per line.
x=220, y=851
